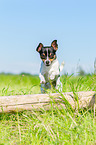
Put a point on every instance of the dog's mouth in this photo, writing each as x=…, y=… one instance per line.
x=47, y=65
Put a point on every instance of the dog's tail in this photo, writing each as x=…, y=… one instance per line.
x=61, y=66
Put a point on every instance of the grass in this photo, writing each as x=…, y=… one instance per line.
x=54, y=127
x=18, y=85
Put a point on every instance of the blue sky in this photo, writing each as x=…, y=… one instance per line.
x=25, y=23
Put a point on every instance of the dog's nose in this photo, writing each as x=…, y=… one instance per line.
x=47, y=62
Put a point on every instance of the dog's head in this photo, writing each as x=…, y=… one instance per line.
x=48, y=53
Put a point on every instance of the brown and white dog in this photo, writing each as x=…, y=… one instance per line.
x=50, y=68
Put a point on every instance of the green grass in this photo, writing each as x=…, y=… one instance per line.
x=54, y=127
x=19, y=85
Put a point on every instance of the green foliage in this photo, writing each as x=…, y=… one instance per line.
x=54, y=127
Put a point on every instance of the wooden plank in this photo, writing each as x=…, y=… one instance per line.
x=28, y=102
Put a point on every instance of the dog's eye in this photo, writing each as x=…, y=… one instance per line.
x=43, y=55
x=51, y=55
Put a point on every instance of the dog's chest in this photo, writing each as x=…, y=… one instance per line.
x=50, y=71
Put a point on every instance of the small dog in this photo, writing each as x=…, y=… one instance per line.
x=50, y=69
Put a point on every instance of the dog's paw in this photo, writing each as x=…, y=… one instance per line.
x=52, y=77
x=42, y=82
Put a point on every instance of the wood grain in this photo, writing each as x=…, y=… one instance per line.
x=37, y=101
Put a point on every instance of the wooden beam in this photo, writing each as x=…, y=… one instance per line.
x=37, y=101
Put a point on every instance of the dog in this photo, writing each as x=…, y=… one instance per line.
x=50, y=68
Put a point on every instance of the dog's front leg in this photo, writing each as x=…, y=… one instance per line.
x=42, y=82
x=42, y=79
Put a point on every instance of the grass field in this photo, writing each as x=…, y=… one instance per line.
x=54, y=127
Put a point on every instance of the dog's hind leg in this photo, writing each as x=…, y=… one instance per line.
x=47, y=85
x=42, y=88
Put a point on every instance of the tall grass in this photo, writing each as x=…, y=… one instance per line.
x=54, y=127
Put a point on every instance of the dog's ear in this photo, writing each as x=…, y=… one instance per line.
x=39, y=47
x=54, y=45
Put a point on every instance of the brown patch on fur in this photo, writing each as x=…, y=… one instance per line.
x=52, y=58
x=44, y=54
x=43, y=59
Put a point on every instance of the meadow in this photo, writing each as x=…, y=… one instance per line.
x=54, y=127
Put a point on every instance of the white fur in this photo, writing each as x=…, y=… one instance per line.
x=50, y=73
